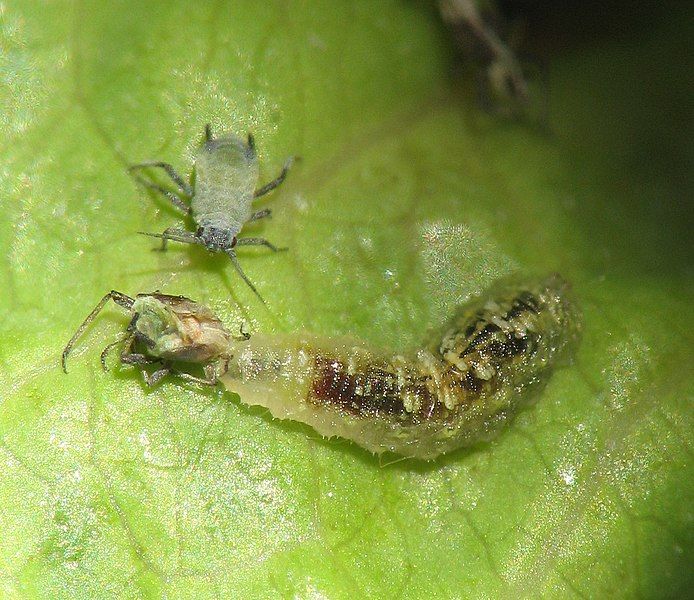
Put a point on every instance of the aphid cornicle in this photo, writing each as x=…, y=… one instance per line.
x=166, y=332
x=219, y=198
x=461, y=388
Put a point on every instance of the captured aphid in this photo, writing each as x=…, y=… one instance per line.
x=461, y=388
x=168, y=333
x=219, y=198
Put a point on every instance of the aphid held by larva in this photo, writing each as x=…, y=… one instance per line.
x=219, y=198
x=166, y=332
x=461, y=388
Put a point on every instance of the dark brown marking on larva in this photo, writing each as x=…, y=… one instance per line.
x=480, y=339
x=469, y=382
x=512, y=347
x=374, y=392
x=334, y=385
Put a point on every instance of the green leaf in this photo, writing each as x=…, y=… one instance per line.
x=407, y=200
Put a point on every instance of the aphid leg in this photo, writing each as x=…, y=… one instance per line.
x=126, y=339
x=127, y=356
x=174, y=198
x=140, y=360
x=170, y=171
x=253, y=241
x=235, y=261
x=137, y=359
x=174, y=234
x=156, y=376
x=243, y=336
x=268, y=187
x=261, y=214
x=211, y=376
x=165, y=238
x=119, y=298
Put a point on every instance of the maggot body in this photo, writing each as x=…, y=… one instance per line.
x=495, y=353
x=167, y=332
x=220, y=198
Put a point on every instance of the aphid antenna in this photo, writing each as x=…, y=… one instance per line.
x=119, y=298
x=235, y=261
x=185, y=237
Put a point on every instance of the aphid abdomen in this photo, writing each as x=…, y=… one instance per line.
x=226, y=173
x=496, y=352
x=179, y=329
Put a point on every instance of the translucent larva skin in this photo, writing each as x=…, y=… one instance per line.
x=226, y=174
x=494, y=355
x=180, y=329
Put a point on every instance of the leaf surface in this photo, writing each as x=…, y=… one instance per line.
x=406, y=201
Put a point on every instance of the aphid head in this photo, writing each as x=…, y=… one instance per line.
x=216, y=239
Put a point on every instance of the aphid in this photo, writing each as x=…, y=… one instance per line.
x=495, y=353
x=219, y=198
x=474, y=24
x=165, y=331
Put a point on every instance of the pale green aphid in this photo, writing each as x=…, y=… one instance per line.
x=167, y=332
x=220, y=196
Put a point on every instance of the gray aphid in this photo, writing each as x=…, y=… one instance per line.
x=168, y=332
x=219, y=197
